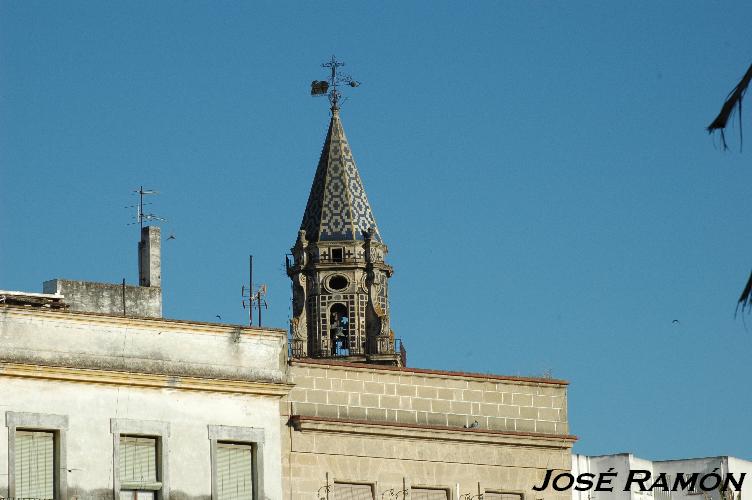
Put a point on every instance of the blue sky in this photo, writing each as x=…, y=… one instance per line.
x=539, y=170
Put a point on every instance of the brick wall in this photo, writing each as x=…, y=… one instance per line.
x=409, y=396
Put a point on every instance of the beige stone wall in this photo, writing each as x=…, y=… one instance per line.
x=389, y=427
x=421, y=461
x=422, y=397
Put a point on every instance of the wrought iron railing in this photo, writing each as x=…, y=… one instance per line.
x=342, y=348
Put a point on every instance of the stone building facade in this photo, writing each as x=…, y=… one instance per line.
x=390, y=428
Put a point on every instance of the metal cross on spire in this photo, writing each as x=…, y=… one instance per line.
x=329, y=87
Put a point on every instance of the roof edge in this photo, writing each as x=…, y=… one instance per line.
x=428, y=371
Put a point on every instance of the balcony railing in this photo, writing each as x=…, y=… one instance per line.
x=342, y=348
x=353, y=261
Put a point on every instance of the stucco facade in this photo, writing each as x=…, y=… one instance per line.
x=91, y=378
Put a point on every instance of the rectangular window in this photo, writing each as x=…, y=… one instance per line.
x=336, y=255
x=234, y=471
x=351, y=491
x=34, y=464
x=237, y=461
x=138, y=468
x=497, y=495
x=429, y=494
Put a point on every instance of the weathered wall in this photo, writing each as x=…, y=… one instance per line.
x=385, y=425
x=90, y=407
x=93, y=368
x=425, y=397
x=179, y=348
x=150, y=257
x=107, y=298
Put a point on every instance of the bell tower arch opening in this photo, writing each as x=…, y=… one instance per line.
x=339, y=329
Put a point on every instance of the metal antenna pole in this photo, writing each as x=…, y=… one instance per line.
x=141, y=216
x=258, y=304
x=250, y=294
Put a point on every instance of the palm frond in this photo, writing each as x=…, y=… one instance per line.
x=745, y=299
x=733, y=101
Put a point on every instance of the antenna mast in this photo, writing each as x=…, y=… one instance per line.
x=141, y=216
x=253, y=299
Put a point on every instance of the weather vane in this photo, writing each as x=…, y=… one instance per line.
x=329, y=87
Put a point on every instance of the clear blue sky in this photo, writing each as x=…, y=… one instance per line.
x=539, y=170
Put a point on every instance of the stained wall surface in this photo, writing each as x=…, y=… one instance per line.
x=98, y=373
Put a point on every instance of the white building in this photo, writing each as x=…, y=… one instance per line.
x=98, y=405
x=622, y=463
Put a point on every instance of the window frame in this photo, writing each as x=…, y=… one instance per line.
x=340, y=255
x=496, y=491
x=252, y=436
x=448, y=489
x=160, y=431
x=40, y=422
x=373, y=485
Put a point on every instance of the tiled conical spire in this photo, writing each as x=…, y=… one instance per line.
x=338, y=208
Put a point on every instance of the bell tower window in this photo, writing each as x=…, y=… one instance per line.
x=336, y=255
x=339, y=329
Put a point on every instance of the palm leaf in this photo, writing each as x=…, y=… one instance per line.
x=733, y=101
x=745, y=299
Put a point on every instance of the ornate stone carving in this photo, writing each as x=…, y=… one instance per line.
x=338, y=237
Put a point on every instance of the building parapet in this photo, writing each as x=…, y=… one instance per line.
x=429, y=398
x=139, y=345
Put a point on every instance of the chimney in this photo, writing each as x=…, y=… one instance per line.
x=149, y=257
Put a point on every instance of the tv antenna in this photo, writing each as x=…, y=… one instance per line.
x=253, y=298
x=142, y=216
x=328, y=87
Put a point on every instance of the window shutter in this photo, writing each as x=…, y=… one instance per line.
x=429, y=494
x=234, y=471
x=138, y=459
x=492, y=495
x=35, y=469
x=144, y=495
x=351, y=491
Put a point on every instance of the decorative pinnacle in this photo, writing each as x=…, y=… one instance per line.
x=329, y=87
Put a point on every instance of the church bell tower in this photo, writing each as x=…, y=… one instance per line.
x=340, y=298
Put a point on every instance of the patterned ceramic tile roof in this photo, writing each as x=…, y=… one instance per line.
x=337, y=207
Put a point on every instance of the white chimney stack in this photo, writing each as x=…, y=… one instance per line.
x=149, y=257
